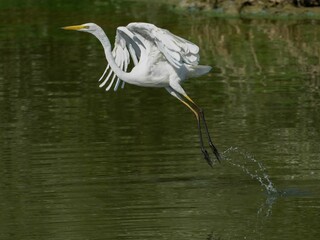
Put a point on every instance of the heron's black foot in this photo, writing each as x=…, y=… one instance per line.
x=207, y=157
x=215, y=152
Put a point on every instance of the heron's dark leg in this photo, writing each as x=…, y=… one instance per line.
x=201, y=114
x=203, y=150
x=214, y=149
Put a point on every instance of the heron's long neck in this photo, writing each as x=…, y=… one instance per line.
x=107, y=49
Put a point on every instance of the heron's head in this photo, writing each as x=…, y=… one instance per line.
x=87, y=27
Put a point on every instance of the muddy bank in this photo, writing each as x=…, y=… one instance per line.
x=281, y=8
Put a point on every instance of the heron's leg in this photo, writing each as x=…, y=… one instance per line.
x=203, y=150
x=201, y=114
x=212, y=146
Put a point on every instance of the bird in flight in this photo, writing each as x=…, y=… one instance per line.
x=160, y=59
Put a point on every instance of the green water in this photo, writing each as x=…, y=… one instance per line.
x=77, y=162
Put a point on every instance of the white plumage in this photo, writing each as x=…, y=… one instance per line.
x=147, y=43
x=160, y=59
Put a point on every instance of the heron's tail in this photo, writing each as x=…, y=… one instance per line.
x=198, y=70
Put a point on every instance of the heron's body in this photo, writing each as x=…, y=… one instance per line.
x=160, y=58
x=153, y=71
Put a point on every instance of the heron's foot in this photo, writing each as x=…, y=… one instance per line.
x=207, y=157
x=215, y=152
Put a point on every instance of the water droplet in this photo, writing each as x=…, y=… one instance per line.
x=251, y=167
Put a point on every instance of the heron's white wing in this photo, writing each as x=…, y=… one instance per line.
x=125, y=42
x=177, y=50
x=122, y=59
x=133, y=42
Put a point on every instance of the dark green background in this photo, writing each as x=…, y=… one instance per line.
x=79, y=163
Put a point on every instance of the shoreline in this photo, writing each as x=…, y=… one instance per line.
x=303, y=9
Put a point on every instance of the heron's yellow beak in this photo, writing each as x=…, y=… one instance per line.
x=75, y=27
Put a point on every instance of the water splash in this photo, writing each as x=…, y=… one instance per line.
x=258, y=172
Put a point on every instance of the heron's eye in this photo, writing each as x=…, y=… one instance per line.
x=86, y=27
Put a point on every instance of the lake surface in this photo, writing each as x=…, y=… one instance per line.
x=77, y=162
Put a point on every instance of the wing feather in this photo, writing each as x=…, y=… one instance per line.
x=110, y=84
x=126, y=45
x=106, y=79
x=104, y=73
x=177, y=50
x=118, y=79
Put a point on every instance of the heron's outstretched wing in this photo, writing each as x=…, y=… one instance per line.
x=125, y=45
x=177, y=50
x=122, y=59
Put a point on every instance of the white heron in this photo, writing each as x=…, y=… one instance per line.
x=160, y=59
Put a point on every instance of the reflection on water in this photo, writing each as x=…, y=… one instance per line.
x=79, y=163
